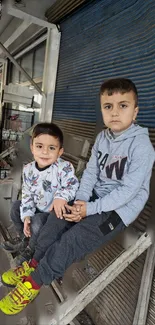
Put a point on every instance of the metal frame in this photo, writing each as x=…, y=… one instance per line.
x=145, y=288
x=8, y=54
x=31, y=46
x=14, y=11
x=51, y=56
x=141, y=311
x=3, y=83
x=22, y=27
x=50, y=73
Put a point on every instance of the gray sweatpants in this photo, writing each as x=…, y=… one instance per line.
x=37, y=222
x=61, y=243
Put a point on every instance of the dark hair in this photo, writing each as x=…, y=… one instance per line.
x=48, y=128
x=119, y=85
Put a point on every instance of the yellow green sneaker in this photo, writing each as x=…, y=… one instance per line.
x=17, y=299
x=13, y=276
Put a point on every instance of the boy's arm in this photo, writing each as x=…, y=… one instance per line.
x=27, y=208
x=69, y=183
x=139, y=170
x=90, y=175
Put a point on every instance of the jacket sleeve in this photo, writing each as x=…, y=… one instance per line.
x=140, y=168
x=68, y=183
x=90, y=175
x=27, y=207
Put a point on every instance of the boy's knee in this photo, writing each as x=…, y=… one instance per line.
x=15, y=210
x=35, y=228
x=36, y=225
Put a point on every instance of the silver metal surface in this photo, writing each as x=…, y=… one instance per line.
x=21, y=69
x=50, y=73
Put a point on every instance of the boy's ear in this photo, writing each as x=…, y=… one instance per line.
x=136, y=112
x=61, y=151
x=31, y=146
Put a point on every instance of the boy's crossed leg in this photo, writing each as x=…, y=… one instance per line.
x=74, y=243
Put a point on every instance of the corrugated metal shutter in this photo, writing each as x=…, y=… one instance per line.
x=104, y=39
x=62, y=8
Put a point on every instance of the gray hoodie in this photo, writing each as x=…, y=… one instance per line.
x=119, y=172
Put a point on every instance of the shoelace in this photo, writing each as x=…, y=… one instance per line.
x=20, y=293
x=21, y=269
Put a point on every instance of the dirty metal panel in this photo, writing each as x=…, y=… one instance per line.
x=117, y=303
x=76, y=127
x=151, y=310
x=141, y=222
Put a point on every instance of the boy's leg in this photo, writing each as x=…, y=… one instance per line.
x=85, y=237
x=43, y=236
x=51, y=232
x=15, y=217
x=20, y=242
x=37, y=223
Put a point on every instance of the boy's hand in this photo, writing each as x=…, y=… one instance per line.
x=83, y=208
x=59, y=207
x=26, y=230
x=77, y=211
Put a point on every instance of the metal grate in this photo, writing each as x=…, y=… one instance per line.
x=77, y=127
x=141, y=222
x=151, y=310
x=116, y=304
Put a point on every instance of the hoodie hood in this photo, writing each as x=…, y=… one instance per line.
x=131, y=132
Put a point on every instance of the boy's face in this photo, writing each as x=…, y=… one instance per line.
x=46, y=150
x=118, y=110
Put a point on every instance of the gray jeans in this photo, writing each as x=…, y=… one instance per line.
x=61, y=243
x=37, y=222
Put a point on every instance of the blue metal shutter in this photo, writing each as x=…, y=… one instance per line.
x=105, y=39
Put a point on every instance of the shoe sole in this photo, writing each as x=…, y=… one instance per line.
x=19, y=311
x=9, y=250
x=8, y=285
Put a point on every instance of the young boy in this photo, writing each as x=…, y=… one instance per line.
x=48, y=183
x=118, y=172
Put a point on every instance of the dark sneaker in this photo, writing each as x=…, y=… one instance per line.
x=26, y=255
x=15, y=245
x=60, y=281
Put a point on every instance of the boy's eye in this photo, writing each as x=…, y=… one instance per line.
x=107, y=106
x=39, y=146
x=123, y=106
x=52, y=148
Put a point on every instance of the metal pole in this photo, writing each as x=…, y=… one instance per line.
x=31, y=46
x=21, y=69
x=50, y=73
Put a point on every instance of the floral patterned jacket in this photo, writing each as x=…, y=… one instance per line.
x=41, y=187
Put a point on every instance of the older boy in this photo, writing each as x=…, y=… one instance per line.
x=118, y=173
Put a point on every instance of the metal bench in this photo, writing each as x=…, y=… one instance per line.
x=136, y=239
